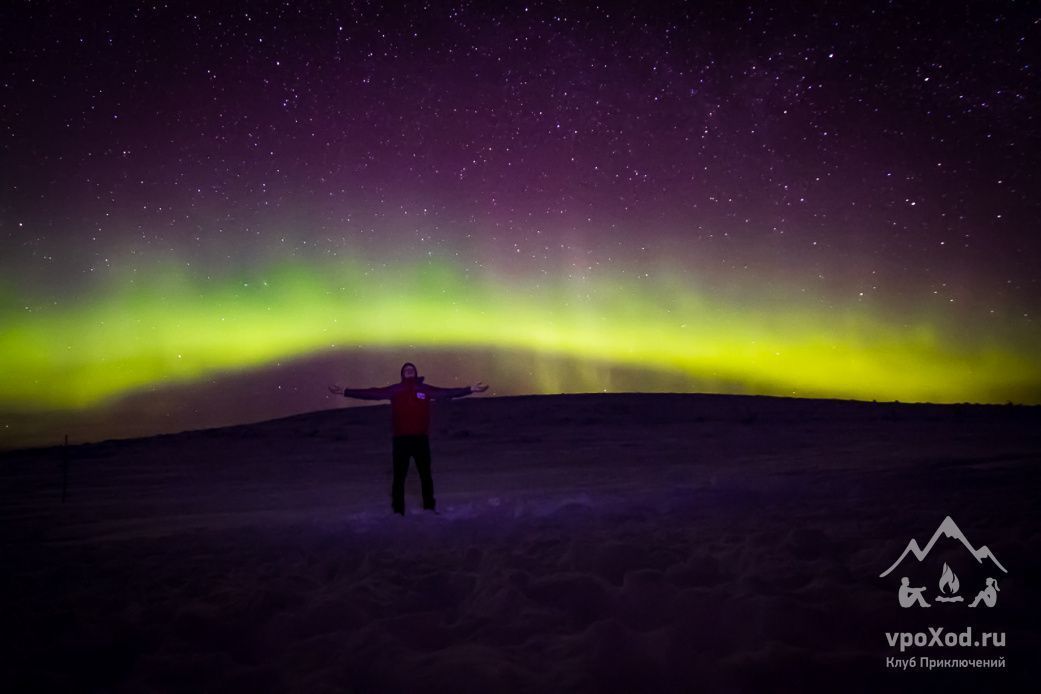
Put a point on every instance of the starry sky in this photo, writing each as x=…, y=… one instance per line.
x=258, y=199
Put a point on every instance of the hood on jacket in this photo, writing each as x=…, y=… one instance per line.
x=417, y=379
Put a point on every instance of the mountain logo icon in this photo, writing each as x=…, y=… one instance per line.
x=949, y=584
x=948, y=528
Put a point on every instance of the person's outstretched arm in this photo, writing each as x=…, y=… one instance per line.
x=384, y=393
x=446, y=393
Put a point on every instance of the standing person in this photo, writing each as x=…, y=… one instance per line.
x=410, y=418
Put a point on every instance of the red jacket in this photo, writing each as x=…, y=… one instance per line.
x=409, y=402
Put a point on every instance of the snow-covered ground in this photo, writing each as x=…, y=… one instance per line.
x=586, y=543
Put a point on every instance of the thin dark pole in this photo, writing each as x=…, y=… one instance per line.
x=65, y=469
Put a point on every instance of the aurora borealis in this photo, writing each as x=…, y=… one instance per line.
x=821, y=201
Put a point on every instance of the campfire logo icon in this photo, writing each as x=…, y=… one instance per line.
x=948, y=584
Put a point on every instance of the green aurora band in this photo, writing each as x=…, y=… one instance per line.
x=175, y=326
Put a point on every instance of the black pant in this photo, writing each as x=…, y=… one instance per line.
x=411, y=446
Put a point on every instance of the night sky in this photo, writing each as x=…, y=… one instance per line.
x=810, y=200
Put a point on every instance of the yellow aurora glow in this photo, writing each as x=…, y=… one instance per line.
x=172, y=327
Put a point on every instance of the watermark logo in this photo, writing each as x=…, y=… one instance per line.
x=941, y=647
x=948, y=585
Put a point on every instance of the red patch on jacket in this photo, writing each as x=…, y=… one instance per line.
x=410, y=411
